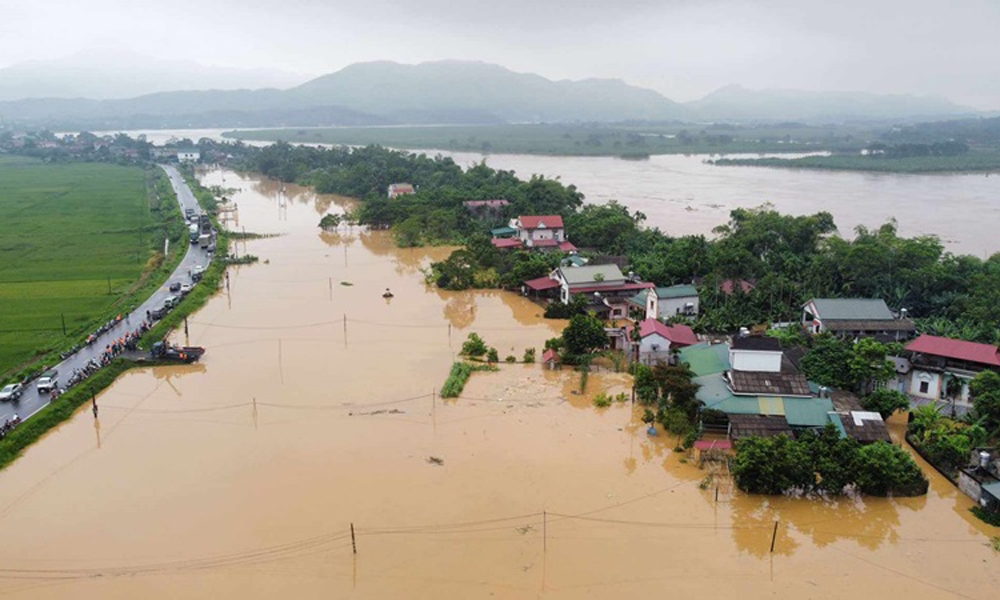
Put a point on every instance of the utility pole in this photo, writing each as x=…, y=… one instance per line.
x=354, y=543
x=63, y=315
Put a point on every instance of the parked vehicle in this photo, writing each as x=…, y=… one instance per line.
x=48, y=381
x=204, y=240
x=11, y=392
x=175, y=286
x=193, y=233
x=186, y=354
x=186, y=288
x=158, y=313
x=171, y=302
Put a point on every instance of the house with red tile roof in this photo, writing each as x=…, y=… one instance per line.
x=399, y=189
x=657, y=340
x=935, y=361
x=545, y=232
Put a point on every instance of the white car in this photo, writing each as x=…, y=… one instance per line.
x=11, y=392
x=186, y=288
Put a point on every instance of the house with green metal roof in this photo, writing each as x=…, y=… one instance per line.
x=856, y=317
x=665, y=302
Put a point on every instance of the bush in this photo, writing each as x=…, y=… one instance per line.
x=511, y=359
x=602, y=400
x=675, y=421
x=474, y=346
x=492, y=355
x=529, y=355
x=455, y=383
x=988, y=517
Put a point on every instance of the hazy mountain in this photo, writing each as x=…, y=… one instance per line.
x=459, y=92
x=386, y=88
x=736, y=103
x=98, y=76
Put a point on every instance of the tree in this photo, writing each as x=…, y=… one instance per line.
x=329, y=221
x=826, y=362
x=868, y=365
x=884, y=469
x=885, y=402
x=584, y=334
x=474, y=346
x=985, y=391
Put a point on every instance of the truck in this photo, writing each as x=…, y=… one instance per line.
x=204, y=240
x=193, y=232
x=48, y=381
x=204, y=223
x=184, y=354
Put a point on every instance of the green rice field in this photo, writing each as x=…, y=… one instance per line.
x=75, y=240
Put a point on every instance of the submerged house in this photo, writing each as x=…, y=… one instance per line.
x=666, y=302
x=935, y=361
x=535, y=231
x=607, y=290
x=762, y=394
x=657, y=341
x=856, y=317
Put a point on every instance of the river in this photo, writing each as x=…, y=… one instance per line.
x=315, y=409
x=684, y=195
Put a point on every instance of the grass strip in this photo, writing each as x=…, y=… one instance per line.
x=460, y=372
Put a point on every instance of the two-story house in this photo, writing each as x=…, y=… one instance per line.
x=936, y=361
x=534, y=231
x=607, y=290
x=666, y=302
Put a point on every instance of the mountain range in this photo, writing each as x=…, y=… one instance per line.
x=379, y=93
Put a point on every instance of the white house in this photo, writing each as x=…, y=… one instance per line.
x=190, y=155
x=934, y=361
x=607, y=290
x=755, y=353
x=666, y=302
x=656, y=340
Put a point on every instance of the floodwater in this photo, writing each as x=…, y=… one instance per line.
x=684, y=195
x=316, y=408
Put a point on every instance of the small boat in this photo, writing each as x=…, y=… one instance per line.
x=387, y=293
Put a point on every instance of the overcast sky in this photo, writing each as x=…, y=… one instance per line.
x=681, y=48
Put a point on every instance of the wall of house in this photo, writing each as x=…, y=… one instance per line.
x=669, y=307
x=932, y=387
x=653, y=343
x=755, y=360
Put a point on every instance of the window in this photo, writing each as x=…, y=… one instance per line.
x=924, y=387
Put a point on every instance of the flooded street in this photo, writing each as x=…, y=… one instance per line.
x=316, y=408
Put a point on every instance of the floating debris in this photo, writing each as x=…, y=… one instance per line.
x=435, y=460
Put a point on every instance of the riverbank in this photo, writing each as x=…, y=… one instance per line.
x=985, y=161
x=624, y=141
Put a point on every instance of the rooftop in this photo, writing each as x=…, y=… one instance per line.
x=678, y=334
x=587, y=273
x=866, y=427
x=759, y=426
x=757, y=342
x=853, y=309
x=985, y=354
x=540, y=221
x=870, y=325
x=771, y=384
x=676, y=291
x=542, y=283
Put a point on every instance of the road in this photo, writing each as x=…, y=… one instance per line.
x=31, y=401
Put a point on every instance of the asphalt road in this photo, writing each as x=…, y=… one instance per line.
x=31, y=401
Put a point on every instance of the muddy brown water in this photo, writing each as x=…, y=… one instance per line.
x=241, y=476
